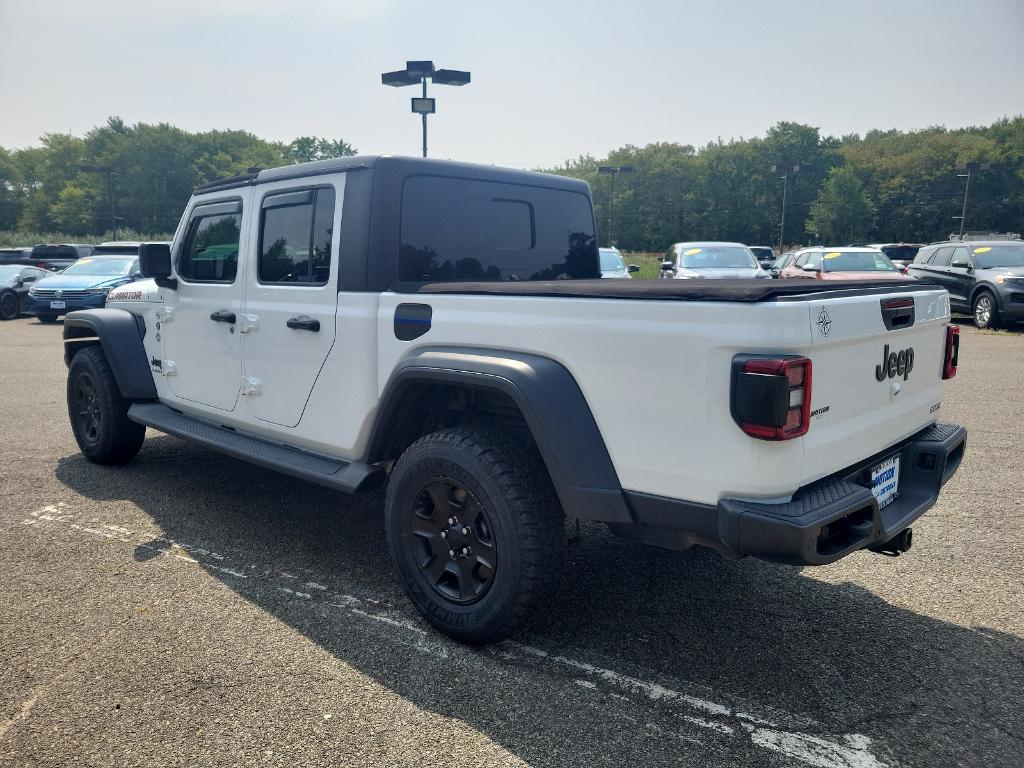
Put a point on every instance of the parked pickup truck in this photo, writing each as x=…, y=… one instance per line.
x=442, y=327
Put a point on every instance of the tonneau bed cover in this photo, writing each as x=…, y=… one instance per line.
x=672, y=290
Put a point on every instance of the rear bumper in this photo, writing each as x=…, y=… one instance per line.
x=825, y=521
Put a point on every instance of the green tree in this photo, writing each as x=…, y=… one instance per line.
x=306, y=149
x=75, y=209
x=843, y=212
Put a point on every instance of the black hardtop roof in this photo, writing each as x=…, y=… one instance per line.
x=408, y=166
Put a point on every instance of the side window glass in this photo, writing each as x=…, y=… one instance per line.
x=209, y=253
x=801, y=260
x=296, y=231
x=942, y=257
x=959, y=256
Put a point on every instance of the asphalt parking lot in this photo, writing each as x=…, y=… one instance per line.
x=189, y=609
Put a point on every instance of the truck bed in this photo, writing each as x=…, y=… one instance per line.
x=672, y=290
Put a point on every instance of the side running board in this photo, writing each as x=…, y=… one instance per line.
x=332, y=473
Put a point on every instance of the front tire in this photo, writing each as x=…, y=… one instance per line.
x=475, y=530
x=47, y=318
x=98, y=413
x=10, y=305
x=986, y=315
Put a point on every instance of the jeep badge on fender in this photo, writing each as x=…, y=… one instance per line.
x=895, y=364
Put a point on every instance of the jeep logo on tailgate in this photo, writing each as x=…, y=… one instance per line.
x=895, y=364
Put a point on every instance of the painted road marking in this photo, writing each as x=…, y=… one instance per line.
x=818, y=750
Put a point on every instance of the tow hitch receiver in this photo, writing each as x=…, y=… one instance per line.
x=899, y=543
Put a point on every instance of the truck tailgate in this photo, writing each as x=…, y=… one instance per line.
x=863, y=399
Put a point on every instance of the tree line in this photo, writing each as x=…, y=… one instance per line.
x=61, y=185
x=883, y=186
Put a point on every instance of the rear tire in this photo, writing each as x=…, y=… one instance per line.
x=986, y=315
x=481, y=577
x=10, y=305
x=98, y=413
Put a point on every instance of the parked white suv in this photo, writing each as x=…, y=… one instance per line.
x=441, y=327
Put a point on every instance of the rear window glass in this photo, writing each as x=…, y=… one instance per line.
x=55, y=252
x=462, y=230
x=856, y=261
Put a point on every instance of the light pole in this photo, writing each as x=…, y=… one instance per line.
x=110, y=190
x=970, y=168
x=613, y=171
x=785, y=189
x=417, y=72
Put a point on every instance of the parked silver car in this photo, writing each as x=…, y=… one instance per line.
x=613, y=265
x=685, y=261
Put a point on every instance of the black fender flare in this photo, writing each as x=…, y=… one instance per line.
x=553, y=406
x=120, y=336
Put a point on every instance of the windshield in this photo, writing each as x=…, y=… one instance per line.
x=93, y=266
x=611, y=261
x=718, y=257
x=988, y=256
x=856, y=261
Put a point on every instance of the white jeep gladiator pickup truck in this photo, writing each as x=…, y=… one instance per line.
x=442, y=327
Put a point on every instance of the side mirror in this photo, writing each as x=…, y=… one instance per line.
x=667, y=265
x=155, y=262
x=808, y=268
x=633, y=268
x=961, y=264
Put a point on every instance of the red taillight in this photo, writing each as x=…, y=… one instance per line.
x=771, y=396
x=949, y=361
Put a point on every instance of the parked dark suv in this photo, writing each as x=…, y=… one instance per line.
x=985, y=278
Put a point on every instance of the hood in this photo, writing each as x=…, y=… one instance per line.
x=864, y=276
x=79, y=282
x=741, y=272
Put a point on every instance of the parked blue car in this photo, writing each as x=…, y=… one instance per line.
x=83, y=285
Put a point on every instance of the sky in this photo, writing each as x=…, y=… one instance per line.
x=550, y=80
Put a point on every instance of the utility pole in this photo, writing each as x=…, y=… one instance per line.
x=613, y=171
x=969, y=167
x=786, y=169
x=110, y=191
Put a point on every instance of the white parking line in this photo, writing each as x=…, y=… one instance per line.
x=820, y=751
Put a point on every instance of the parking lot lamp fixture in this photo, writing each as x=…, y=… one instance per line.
x=417, y=72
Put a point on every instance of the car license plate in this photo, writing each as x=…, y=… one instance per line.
x=885, y=480
x=57, y=305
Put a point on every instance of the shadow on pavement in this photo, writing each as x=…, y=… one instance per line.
x=932, y=692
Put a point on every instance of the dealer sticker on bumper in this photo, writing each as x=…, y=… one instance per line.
x=885, y=480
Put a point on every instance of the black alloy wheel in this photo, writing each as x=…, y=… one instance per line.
x=9, y=306
x=97, y=411
x=454, y=540
x=87, y=412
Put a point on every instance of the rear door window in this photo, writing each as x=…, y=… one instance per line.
x=467, y=230
x=296, y=230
